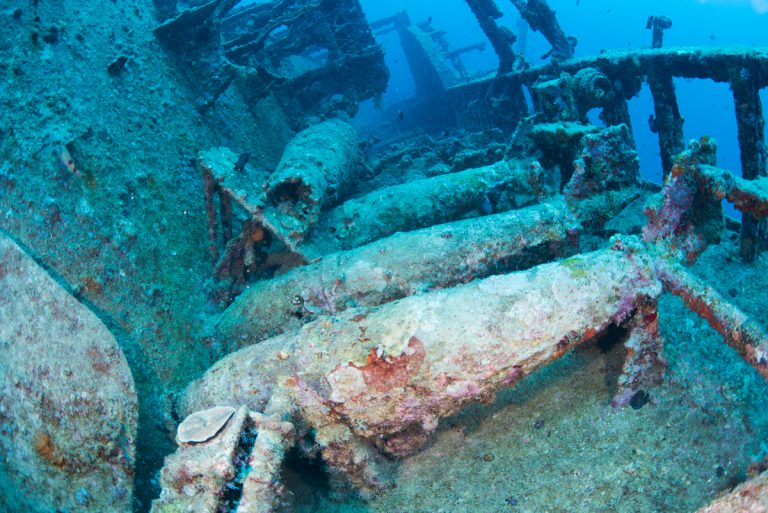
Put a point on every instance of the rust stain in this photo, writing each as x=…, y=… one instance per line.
x=382, y=373
x=47, y=449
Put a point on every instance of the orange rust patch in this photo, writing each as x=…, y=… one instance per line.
x=384, y=373
x=257, y=234
x=47, y=449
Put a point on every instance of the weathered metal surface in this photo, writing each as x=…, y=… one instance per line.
x=318, y=168
x=666, y=121
x=195, y=477
x=739, y=331
x=398, y=266
x=748, y=196
x=68, y=408
x=434, y=65
x=541, y=18
x=316, y=58
x=606, y=178
x=377, y=381
x=501, y=38
x=751, y=133
x=242, y=242
x=262, y=490
x=748, y=497
x=373, y=382
x=687, y=215
x=421, y=203
x=715, y=64
x=657, y=25
x=607, y=162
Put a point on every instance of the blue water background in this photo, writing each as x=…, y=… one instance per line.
x=707, y=107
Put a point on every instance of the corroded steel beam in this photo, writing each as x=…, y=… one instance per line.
x=541, y=18
x=740, y=332
x=398, y=266
x=667, y=121
x=717, y=64
x=751, y=131
x=487, y=12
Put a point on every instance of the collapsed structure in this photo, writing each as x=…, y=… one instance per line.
x=381, y=353
x=376, y=285
x=297, y=52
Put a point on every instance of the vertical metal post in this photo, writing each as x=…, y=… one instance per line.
x=486, y=12
x=541, y=18
x=666, y=122
x=751, y=131
x=210, y=188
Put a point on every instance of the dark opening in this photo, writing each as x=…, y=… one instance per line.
x=610, y=344
x=233, y=490
x=294, y=191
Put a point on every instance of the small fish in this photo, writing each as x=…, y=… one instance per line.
x=400, y=115
x=242, y=160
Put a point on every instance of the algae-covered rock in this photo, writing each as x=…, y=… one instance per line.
x=68, y=409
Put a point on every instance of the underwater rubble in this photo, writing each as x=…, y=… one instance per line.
x=235, y=276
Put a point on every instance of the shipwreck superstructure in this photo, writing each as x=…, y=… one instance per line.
x=284, y=283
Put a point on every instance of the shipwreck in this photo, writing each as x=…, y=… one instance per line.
x=304, y=287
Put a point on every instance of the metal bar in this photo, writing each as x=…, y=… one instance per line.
x=751, y=132
x=667, y=121
x=486, y=12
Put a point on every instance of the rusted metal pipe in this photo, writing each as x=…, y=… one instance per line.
x=740, y=332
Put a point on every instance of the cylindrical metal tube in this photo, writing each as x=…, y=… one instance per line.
x=421, y=203
x=317, y=168
x=392, y=371
x=398, y=266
